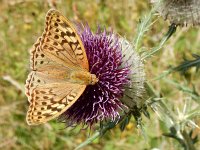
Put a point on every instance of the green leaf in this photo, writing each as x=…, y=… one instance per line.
x=187, y=64
x=125, y=122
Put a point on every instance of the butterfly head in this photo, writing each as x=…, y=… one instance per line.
x=94, y=79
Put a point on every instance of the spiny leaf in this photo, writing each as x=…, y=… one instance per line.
x=125, y=122
x=187, y=64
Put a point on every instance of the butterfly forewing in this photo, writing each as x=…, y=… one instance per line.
x=54, y=57
x=61, y=42
x=37, y=58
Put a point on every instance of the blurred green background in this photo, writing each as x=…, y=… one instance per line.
x=22, y=21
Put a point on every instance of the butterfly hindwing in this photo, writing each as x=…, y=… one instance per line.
x=48, y=101
x=50, y=75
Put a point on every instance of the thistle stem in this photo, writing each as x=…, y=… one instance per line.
x=89, y=140
x=143, y=27
x=171, y=31
x=188, y=141
x=100, y=133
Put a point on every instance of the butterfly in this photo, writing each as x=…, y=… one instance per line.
x=59, y=70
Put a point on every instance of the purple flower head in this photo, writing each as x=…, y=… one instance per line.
x=102, y=100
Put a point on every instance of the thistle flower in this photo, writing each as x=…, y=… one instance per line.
x=108, y=61
x=133, y=96
x=180, y=12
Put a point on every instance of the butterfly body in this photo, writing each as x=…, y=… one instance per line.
x=59, y=70
x=84, y=77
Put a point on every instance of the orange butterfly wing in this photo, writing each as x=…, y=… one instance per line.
x=53, y=57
